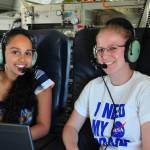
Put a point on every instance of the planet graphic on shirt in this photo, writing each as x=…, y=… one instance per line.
x=118, y=130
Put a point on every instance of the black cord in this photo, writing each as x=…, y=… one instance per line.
x=99, y=67
x=114, y=119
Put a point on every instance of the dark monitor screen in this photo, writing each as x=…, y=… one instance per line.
x=17, y=137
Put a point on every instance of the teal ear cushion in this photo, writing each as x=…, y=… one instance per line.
x=1, y=55
x=134, y=51
x=34, y=58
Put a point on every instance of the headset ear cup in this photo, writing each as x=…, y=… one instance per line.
x=1, y=55
x=93, y=58
x=134, y=51
x=34, y=58
x=94, y=51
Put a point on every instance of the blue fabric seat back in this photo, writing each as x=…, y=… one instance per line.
x=53, y=58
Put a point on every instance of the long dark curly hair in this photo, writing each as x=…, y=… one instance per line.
x=21, y=95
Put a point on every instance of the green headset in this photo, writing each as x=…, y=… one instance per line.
x=132, y=46
x=11, y=33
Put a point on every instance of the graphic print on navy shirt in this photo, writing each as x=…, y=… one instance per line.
x=109, y=112
x=26, y=116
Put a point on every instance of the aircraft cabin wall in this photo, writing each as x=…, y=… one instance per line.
x=70, y=16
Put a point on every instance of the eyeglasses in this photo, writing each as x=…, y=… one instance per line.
x=111, y=50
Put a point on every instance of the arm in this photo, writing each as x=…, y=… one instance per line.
x=43, y=120
x=71, y=130
x=146, y=136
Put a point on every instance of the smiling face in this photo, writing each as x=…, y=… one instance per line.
x=18, y=55
x=112, y=44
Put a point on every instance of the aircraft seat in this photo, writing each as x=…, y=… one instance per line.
x=54, y=58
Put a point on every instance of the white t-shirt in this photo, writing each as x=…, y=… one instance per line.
x=132, y=105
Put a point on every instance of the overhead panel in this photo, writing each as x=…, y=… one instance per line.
x=6, y=4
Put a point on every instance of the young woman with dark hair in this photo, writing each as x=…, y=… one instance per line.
x=25, y=92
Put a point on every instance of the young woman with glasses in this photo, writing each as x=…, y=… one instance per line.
x=118, y=103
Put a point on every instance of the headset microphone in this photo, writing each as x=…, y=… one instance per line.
x=101, y=66
x=104, y=66
x=24, y=70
